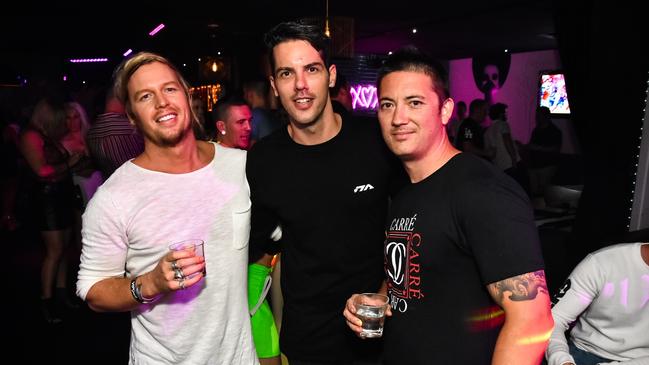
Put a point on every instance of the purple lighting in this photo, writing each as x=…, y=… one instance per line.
x=128, y=52
x=85, y=60
x=156, y=29
x=364, y=97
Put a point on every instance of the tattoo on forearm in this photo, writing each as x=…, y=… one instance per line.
x=522, y=287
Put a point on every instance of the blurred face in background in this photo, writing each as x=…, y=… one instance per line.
x=73, y=119
x=237, y=127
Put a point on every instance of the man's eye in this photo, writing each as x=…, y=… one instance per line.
x=145, y=97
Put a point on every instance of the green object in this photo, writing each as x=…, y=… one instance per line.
x=264, y=330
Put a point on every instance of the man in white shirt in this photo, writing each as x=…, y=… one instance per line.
x=608, y=295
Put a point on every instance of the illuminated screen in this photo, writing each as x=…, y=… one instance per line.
x=553, y=93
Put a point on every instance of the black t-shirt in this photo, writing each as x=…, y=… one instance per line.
x=449, y=236
x=331, y=200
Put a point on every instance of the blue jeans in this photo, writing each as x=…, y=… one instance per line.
x=584, y=358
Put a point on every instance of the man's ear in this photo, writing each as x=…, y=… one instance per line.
x=447, y=110
x=332, y=75
x=220, y=126
x=272, y=86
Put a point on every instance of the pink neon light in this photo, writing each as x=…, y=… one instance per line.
x=156, y=29
x=128, y=52
x=609, y=290
x=364, y=97
x=84, y=60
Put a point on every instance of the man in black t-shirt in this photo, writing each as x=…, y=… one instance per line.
x=470, y=134
x=544, y=151
x=463, y=265
x=325, y=179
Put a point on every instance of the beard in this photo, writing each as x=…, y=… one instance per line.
x=167, y=139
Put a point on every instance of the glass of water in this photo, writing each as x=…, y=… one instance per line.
x=370, y=308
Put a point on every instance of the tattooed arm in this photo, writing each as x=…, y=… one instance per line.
x=528, y=320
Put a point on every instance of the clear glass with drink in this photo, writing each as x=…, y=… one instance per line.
x=194, y=244
x=370, y=308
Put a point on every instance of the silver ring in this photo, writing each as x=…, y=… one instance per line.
x=173, y=266
x=178, y=274
x=181, y=284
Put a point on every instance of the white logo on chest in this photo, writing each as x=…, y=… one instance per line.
x=362, y=188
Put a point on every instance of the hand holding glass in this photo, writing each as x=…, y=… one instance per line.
x=197, y=245
x=370, y=308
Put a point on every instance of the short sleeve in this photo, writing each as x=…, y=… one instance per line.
x=498, y=229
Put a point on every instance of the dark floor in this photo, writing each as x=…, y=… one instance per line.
x=86, y=337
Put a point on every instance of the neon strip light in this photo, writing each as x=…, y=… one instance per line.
x=364, y=97
x=156, y=30
x=128, y=52
x=85, y=60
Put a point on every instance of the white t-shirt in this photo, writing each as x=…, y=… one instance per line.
x=494, y=139
x=608, y=295
x=127, y=228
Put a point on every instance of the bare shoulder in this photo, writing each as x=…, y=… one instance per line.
x=519, y=288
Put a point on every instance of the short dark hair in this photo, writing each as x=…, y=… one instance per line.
x=497, y=110
x=220, y=111
x=409, y=58
x=297, y=30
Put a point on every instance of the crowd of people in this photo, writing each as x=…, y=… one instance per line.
x=422, y=204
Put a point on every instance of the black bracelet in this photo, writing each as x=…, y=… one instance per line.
x=137, y=294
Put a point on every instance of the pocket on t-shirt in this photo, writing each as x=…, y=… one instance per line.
x=241, y=227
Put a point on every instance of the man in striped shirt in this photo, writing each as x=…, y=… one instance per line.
x=112, y=139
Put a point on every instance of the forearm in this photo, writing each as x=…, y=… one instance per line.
x=114, y=294
x=111, y=295
x=523, y=342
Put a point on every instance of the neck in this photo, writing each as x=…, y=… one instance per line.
x=644, y=251
x=437, y=157
x=187, y=156
x=321, y=130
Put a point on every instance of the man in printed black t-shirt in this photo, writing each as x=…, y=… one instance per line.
x=463, y=265
x=326, y=181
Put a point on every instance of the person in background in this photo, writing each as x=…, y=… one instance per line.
x=463, y=263
x=255, y=92
x=233, y=119
x=86, y=179
x=326, y=180
x=53, y=197
x=470, y=134
x=498, y=137
x=607, y=296
x=544, y=151
x=112, y=139
x=454, y=124
x=341, y=97
x=179, y=188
